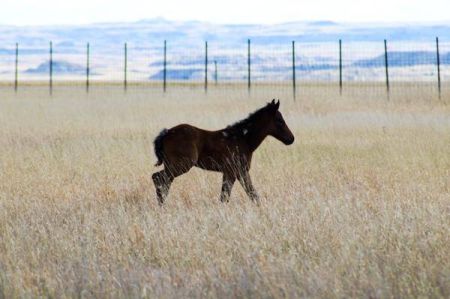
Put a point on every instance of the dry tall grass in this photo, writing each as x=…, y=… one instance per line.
x=359, y=206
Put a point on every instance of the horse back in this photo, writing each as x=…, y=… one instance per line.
x=211, y=150
x=181, y=145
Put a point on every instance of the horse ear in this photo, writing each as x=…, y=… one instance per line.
x=273, y=106
x=277, y=104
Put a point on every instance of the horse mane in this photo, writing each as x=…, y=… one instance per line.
x=238, y=127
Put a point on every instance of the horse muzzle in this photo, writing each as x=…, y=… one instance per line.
x=289, y=141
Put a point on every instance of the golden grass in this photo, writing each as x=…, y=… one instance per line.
x=359, y=206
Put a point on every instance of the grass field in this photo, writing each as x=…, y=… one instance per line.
x=358, y=206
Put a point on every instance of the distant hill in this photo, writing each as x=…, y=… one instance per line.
x=403, y=59
x=58, y=67
x=177, y=74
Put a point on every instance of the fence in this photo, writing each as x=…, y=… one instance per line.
x=212, y=64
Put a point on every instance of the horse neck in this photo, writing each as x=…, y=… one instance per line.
x=256, y=136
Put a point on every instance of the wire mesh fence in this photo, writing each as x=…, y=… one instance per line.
x=208, y=64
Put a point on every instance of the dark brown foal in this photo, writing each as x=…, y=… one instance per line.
x=228, y=150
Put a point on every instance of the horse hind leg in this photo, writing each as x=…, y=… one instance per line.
x=164, y=178
x=179, y=159
x=162, y=181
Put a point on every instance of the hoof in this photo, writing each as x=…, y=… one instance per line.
x=224, y=200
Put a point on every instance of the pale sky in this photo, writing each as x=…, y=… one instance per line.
x=51, y=12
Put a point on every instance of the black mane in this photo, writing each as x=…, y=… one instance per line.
x=238, y=127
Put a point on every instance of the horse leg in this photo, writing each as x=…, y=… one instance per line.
x=246, y=182
x=162, y=181
x=227, y=184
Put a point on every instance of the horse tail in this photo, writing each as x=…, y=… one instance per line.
x=158, y=145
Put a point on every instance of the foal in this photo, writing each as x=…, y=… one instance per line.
x=228, y=150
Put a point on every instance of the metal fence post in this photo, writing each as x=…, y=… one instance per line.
x=87, y=67
x=340, y=67
x=206, y=66
x=215, y=71
x=248, y=66
x=51, y=69
x=125, y=66
x=16, y=70
x=386, y=64
x=438, y=62
x=165, y=66
x=293, y=70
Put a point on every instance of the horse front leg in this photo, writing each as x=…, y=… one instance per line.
x=246, y=182
x=227, y=184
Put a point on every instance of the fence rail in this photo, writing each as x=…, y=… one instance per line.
x=332, y=62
